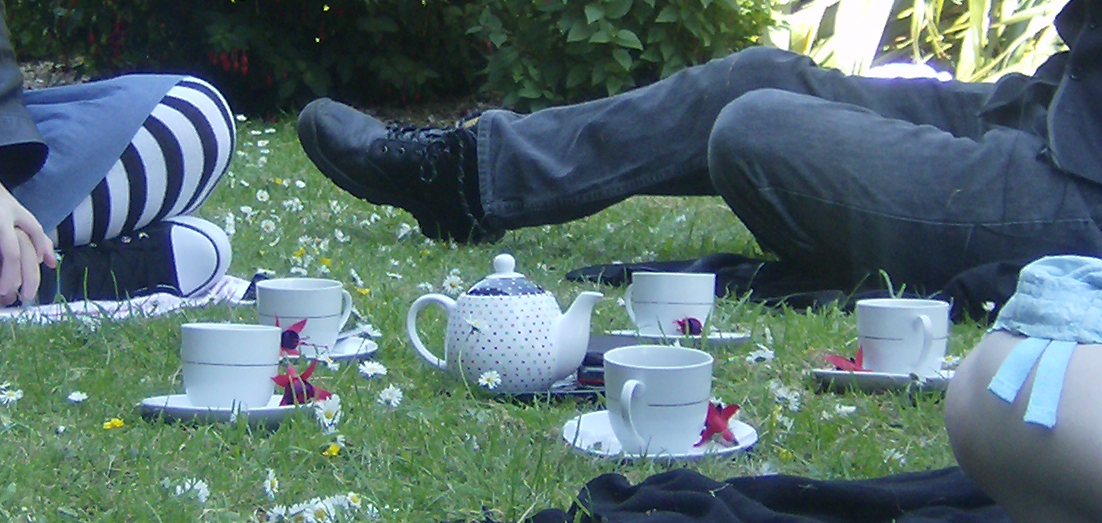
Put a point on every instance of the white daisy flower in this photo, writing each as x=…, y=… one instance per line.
x=9, y=396
x=193, y=486
x=267, y=226
x=321, y=511
x=453, y=285
x=328, y=411
x=247, y=211
x=785, y=396
x=300, y=184
x=254, y=132
x=230, y=226
x=77, y=396
x=269, y=130
x=271, y=484
x=490, y=379
x=371, y=368
x=298, y=271
x=262, y=196
x=277, y=513
x=761, y=355
x=403, y=230
x=391, y=396
x=292, y=205
x=262, y=143
x=300, y=512
x=240, y=117
x=341, y=236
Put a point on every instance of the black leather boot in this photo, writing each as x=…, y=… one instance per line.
x=430, y=172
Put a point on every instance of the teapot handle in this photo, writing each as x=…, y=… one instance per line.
x=411, y=325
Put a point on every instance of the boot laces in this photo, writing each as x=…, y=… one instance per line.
x=444, y=150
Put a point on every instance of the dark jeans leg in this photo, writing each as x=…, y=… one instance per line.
x=563, y=163
x=846, y=190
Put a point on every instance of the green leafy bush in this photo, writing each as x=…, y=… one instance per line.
x=265, y=53
x=278, y=54
x=544, y=52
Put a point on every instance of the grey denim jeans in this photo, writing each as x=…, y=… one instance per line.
x=847, y=175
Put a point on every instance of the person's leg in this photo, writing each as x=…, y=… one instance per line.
x=563, y=163
x=1037, y=474
x=132, y=235
x=169, y=168
x=849, y=192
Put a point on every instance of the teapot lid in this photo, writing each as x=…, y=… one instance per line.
x=505, y=281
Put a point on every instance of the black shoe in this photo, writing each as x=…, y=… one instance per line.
x=430, y=172
x=183, y=256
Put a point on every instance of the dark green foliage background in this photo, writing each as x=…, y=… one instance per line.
x=271, y=55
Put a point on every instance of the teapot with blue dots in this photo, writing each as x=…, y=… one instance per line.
x=508, y=333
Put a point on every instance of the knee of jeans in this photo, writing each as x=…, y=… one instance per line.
x=755, y=127
x=765, y=65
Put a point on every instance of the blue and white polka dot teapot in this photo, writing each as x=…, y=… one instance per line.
x=507, y=333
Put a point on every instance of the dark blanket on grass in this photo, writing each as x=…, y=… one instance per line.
x=685, y=496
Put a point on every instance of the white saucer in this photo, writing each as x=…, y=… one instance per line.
x=177, y=406
x=353, y=348
x=865, y=381
x=592, y=433
x=714, y=338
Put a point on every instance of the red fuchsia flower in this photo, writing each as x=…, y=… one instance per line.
x=291, y=338
x=296, y=390
x=717, y=425
x=691, y=326
x=854, y=364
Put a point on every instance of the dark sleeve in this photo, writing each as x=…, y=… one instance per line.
x=22, y=151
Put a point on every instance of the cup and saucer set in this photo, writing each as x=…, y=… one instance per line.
x=230, y=369
x=509, y=335
x=901, y=346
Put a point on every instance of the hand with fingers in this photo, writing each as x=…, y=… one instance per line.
x=23, y=247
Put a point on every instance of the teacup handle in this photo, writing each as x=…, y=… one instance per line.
x=448, y=305
x=630, y=394
x=627, y=302
x=346, y=309
x=923, y=322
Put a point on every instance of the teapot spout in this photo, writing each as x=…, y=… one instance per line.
x=572, y=333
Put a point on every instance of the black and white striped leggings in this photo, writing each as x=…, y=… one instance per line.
x=168, y=169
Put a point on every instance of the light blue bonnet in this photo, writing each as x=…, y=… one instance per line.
x=1056, y=306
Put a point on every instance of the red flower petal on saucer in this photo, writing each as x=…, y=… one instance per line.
x=691, y=326
x=717, y=425
x=296, y=390
x=854, y=364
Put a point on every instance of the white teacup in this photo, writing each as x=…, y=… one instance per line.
x=310, y=311
x=660, y=302
x=903, y=336
x=657, y=397
x=229, y=364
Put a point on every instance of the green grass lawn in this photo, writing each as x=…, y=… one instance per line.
x=446, y=451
